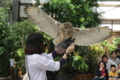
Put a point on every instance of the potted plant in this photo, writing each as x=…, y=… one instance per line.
x=5, y=49
x=19, y=34
x=75, y=64
x=116, y=41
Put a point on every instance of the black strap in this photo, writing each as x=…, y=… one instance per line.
x=27, y=69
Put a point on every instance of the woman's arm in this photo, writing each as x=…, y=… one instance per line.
x=57, y=51
x=97, y=72
x=48, y=64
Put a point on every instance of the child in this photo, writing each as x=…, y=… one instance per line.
x=101, y=72
x=113, y=75
x=118, y=71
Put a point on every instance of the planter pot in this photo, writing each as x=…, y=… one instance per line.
x=63, y=77
x=50, y=75
x=83, y=77
x=20, y=77
x=9, y=78
x=5, y=78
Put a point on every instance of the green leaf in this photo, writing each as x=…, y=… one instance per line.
x=81, y=19
x=19, y=52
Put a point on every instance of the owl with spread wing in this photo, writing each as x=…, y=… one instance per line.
x=61, y=31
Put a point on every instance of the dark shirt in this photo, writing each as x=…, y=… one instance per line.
x=118, y=57
x=98, y=73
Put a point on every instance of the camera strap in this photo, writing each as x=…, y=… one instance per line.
x=27, y=69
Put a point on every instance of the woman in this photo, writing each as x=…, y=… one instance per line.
x=37, y=62
x=114, y=57
x=101, y=72
x=108, y=62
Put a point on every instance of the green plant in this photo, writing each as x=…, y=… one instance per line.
x=12, y=40
x=116, y=40
x=5, y=42
x=93, y=57
x=109, y=47
x=19, y=32
x=78, y=62
x=79, y=12
x=4, y=53
x=75, y=64
x=49, y=41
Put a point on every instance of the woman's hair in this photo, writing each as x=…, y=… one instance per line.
x=104, y=56
x=34, y=44
x=117, y=50
x=103, y=63
x=113, y=52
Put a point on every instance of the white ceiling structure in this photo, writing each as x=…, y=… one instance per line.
x=112, y=12
x=107, y=12
x=33, y=1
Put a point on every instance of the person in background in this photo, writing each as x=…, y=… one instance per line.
x=118, y=53
x=108, y=62
x=118, y=71
x=101, y=72
x=113, y=75
x=114, y=57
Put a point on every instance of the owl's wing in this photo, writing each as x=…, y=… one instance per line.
x=44, y=21
x=90, y=36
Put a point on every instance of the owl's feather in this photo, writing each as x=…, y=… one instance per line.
x=61, y=31
x=90, y=36
x=45, y=22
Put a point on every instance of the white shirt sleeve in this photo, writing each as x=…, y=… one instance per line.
x=42, y=62
x=113, y=63
x=118, y=61
x=49, y=56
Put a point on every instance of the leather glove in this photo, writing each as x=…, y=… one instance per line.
x=65, y=43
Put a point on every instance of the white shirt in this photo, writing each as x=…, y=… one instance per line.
x=109, y=63
x=117, y=61
x=39, y=63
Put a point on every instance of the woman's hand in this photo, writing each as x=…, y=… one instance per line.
x=101, y=68
x=70, y=48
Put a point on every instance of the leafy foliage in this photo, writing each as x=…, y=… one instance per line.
x=79, y=12
x=109, y=47
x=12, y=40
x=116, y=41
x=19, y=32
x=75, y=63
x=5, y=42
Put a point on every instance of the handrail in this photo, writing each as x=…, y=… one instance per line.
x=110, y=21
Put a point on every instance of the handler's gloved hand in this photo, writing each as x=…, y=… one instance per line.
x=60, y=48
x=65, y=43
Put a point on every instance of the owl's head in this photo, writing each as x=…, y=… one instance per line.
x=68, y=25
x=66, y=30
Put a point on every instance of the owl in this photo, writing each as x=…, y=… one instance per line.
x=61, y=31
